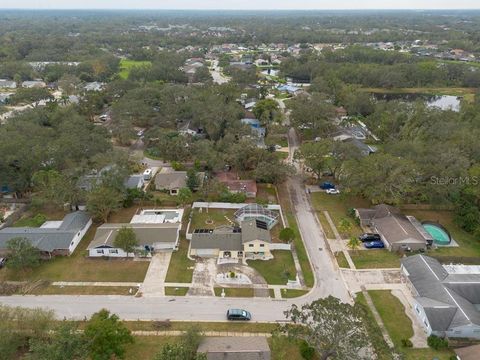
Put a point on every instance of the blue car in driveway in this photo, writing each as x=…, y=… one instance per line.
x=377, y=244
x=326, y=186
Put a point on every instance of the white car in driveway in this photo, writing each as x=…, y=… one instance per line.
x=332, y=191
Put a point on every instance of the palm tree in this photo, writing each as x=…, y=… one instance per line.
x=354, y=243
x=344, y=226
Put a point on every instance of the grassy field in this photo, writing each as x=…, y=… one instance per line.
x=293, y=293
x=181, y=267
x=250, y=326
x=174, y=291
x=83, y=290
x=337, y=207
x=234, y=292
x=375, y=259
x=327, y=229
x=78, y=267
x=278, y=270
x=399, y=326
x=341, y=260
x=127, y=65
x=266, y=194
x=469, y=246
x=211, y=219
x=146, y=347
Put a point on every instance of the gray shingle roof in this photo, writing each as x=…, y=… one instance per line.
x=235, y=348
x=447, y=301
x=48, y=239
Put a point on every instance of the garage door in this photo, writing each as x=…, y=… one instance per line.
x=207, y=252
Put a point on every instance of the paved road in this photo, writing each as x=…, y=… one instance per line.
x=328, y=282
x=217, y=75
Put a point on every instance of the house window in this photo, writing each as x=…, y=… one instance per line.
x=71, y=244
x=262, y=245
x=99, y=251
x=250, y=245
x=113, y=251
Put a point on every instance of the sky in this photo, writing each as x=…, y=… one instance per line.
x=240, y=4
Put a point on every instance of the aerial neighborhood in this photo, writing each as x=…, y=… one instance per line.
x=230, y=186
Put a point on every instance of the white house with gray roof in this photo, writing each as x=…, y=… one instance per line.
x=446, y=298
x=53, y=237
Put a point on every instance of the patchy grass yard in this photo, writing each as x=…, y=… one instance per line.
x=278, y=270
x=327, y=229
x=36, y=219
x=375, y=259
x=146, y=347
x=341, y=260
x=293, y=293
x=337, y=207
x=127, y=65
x=469, y=246
x=78, y=267
x=83, y=290
x=399, y=326
x=266, y=194
x=211, y=219
x=176, y=291
x=284, y=348
x=250, y=326
x=234, y=292
x=180, y=269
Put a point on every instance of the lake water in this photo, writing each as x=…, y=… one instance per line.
x=443, y=102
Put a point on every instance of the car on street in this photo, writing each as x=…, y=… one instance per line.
x=369, y=237
x=326, y=185
x=333, y=191
x=377, y=244
x=238, y=314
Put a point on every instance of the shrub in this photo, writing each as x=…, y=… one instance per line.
x=306, y=351
x=406, y=343
x=437, y=343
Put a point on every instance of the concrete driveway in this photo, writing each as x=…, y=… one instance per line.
x=260, y=286
x=153, y=285
x=203, y=278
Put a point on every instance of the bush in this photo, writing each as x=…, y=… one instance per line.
x=406, y=343
x=306, y=351
x=437, y=343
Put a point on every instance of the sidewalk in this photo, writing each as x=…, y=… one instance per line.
x=204, y=333
x=339, y=239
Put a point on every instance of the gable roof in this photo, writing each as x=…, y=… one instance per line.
x=169, y=179
x=441, y=296
x=47, y=238
x=233, y=348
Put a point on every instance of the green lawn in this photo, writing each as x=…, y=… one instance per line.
x=174, y=291
x=399, y=326
x=78, y=267
x=337, y=207
x=127, y=65
x=374, y=259
x=293, y=293
x=341, y=260
x=146, y=347
x=285, y=348
x=250, y=326
x=327, y=229
x=180, y=269
x=83, y=290
x=234, y=292
x=211, y=219
x=31, y=221
x=267, y=194
x=278, y=270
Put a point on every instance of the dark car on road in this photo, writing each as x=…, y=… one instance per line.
x=374, y=244
x=370, y=237
x=238, y=314
x=326, y=185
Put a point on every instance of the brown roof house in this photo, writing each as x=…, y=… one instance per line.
x=398, y=231
x=234, y=185
x=172, y=181
x=235, y=348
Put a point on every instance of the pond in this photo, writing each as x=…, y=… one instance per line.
x=443, y=102
x=272, y=72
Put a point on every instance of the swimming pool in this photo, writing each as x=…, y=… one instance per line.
x=439, y=233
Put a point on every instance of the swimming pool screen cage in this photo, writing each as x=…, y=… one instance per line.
x=257, y=212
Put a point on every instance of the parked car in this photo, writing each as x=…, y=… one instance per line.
x=326, y=186
x=333, y=191
x=374, y=244
x=2, y=262
x=370, y=237
x=238, y=314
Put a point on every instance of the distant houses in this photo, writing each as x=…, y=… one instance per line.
x=172, y=181
x=7, y=84
x=237, y=186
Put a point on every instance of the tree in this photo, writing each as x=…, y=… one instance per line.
x=344, y=226
x=65, y=343
x=185, y=349
x=315, y=156
x=22, y=254
x=126, y=240
x=102, y=201
x=184, y=195
x=107, y=336
x=266, y=110
x=354, y=243
x=54, y=187
x=332, y=328
x=287, y=235
x=192, y=179
x=30, y=95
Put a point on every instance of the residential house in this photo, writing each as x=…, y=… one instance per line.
x=172, y=181
x=191, y=130
x=446, y=298
x=398, y=232
x=155, y=230
x=34, y=84
x=93, y=86
x=290, y=89
x=235, y=348
x=7, y=84
x=4, y=97
x=235, y=185
x=53, y=238
x=251, y=240
x=468, y=353
x=258, y=131
x=135, y=181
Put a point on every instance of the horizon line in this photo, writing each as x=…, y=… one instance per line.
x=242, y=9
